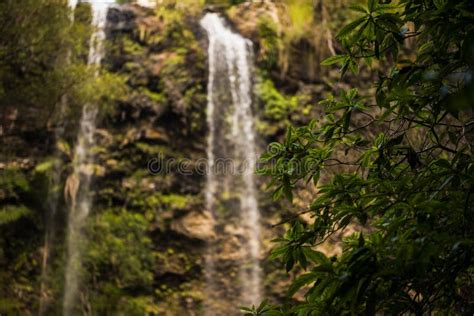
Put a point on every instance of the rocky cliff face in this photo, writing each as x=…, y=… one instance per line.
x=162, y=121
x=160, y=125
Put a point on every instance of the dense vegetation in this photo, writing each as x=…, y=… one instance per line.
x=409, y=173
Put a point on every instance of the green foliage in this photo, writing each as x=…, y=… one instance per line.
x=130, y=47
x=20, y=221
x=120, y=256
x=155, y=97
x=277, y=106
x=11, y=213
x=262, y=309
x=43, y=58
x=8, y=306
x=301, y=16
x=44, y=81
x=175, y=201
x=174, y=12
x=26, y=62
x=12, y=181
x=406, y=178
x=101, y=90
x=295, y=35
x=270, y=42
x=279, y=109
x=18, y=191
x=143, y=305
x=31, y=70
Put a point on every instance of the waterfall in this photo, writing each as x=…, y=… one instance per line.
x=83, y=168
x=231, y=153
x=52, y=201
x=147, y=3
x=72, y=4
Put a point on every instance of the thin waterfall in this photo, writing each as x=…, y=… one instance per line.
x=231, y=153
x=52, y=201
x=72, y=4
x=82, y=175
x=147, y=3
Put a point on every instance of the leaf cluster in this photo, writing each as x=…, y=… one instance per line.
x=406, y=186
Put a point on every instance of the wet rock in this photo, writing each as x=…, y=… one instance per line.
x=122, y=18
x=197, y=225
x=245, y=17
x=155, y=135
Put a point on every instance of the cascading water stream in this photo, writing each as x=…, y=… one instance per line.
x=147, y=3
x=83, y=170
x=52, y=201
x=72, y=4
x=232, y=138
